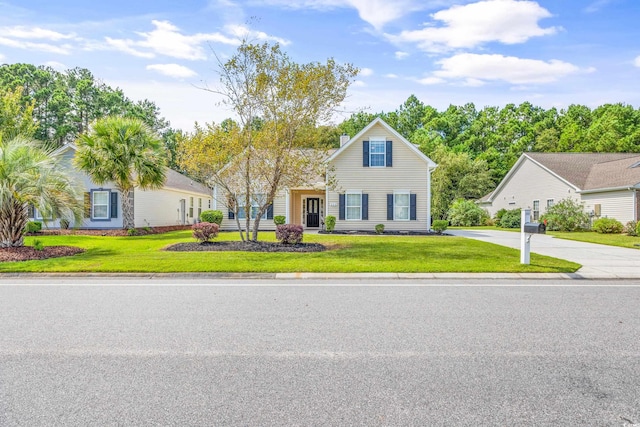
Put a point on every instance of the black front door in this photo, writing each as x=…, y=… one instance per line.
x=313, y=212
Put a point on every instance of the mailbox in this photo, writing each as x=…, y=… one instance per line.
x=535, y=228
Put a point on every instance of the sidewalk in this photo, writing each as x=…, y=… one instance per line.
x=598, y=261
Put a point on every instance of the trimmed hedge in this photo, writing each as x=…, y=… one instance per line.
x=289, y=234
x=607, y=226
x=439, y=225
x=212, y=216
x=330, y=223
x=33, y=227
x=205, y=231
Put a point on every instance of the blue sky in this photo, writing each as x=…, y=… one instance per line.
x=491, y=52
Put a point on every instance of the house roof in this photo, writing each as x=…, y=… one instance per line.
x=174, y=180
x=588, y=171
x=431, y=164
x=585, y=172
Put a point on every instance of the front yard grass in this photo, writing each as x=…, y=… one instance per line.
x=350, y=254
x=621, y=240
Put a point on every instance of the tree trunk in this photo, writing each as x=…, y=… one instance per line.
x=127, y=209
x=13, y=220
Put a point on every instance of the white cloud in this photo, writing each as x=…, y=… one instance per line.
x=596, y=6
x=430, y=81
x=172, y=70
x=242, y=31
x=64, y=49
x=366, y=72
x=401, y=55
x=359, y=83
x=472, y=25
x=22, y=32
x=125, y=46
x=474, y=68
x=637, y=62
x=391, y=76
x=378, y=13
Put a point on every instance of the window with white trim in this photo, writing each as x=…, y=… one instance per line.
x=190, y=207
x=401, y=205
x=199, y=206
x=353, y=206
x=550, y=203
x=257, y=201
x=536, y=210
x=377, y=153
x=100, y=204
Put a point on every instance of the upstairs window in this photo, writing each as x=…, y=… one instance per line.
x=377, y=153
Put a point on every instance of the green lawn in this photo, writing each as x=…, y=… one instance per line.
x=604, y=239
x=349, y=254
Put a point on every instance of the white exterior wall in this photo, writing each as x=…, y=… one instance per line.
x=156, y=208
x=613, y=204
x=530, y=182
x=408, y=173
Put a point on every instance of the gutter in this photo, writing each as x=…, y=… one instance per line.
x=603, y=190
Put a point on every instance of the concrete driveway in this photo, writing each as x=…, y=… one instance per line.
x=598, y=261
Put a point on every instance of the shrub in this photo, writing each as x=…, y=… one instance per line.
x=566, y=215
x=33, y=226
x=279, y=219
x=630, y=229
x=212, y=216
x=38, y=245
x=607, y=226
x=379, y=228
x=489, y=222
x=132, y=232
x=289, y=234
x=466, y=213
x=510, y=218
x=330, y=223
x=638, y=229
x=205, y=231
x=498, y=215
x=439, y=225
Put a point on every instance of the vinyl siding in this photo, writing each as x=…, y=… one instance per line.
x=408, y=173
x=614, y=204
x=279, y=208
x=155, y=208
x=530, y=182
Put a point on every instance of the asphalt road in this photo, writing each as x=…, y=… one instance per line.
x=148, y=352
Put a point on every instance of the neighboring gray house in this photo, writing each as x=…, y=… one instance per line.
x=379, y=176
x=608, y=184
x=178, y=202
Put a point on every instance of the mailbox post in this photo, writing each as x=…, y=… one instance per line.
x=527, y=229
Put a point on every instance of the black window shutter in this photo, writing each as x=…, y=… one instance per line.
x=365, y=154
x=270, y=211
x=114, y=205
x=389, y=154
x=341, y=208
x=365, y=207
x=87, y=204
x=390, y=207
x=412, y=207
x=231, y=214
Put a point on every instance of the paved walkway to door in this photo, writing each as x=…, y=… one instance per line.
x=598, y=261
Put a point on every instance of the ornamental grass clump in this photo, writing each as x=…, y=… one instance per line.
x=205, y=231
x=289, y=234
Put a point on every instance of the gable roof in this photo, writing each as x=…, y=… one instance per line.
x=585, y=172
x=430, y=163
x=174, y=180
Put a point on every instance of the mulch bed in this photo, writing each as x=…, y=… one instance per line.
x=385, y=233
x=28, y=253
x=245, y=247
x=110, y=232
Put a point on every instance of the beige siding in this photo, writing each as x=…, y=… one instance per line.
x=279, y=208
x=155, y=208
x=530, y=182
x=408, y=173
x=614, y=204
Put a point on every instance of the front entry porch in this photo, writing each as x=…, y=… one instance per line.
x=306, y=208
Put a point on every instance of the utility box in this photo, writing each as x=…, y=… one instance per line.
x=535, y=228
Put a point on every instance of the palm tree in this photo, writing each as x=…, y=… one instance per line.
x=32, y=175
x=127, y=153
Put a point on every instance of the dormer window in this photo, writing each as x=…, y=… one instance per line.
x=377, y=153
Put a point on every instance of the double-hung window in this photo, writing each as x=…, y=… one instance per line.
x=353, y=206
x=377, y=153
x=401, y=205
x=550, y=203
x=257, y=201
x=536, y=210
x=100, y=204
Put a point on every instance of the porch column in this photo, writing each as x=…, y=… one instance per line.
x=287, y=209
